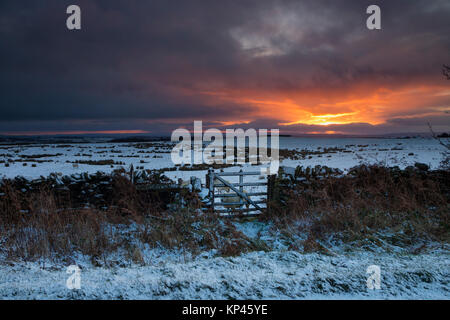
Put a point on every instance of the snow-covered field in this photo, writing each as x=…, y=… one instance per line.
x=59, y=158
x=278, y=274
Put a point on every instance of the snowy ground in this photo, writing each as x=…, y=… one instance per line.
x=278, y=274
x=401, y=152
x=256, y=275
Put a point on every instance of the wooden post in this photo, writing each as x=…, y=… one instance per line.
x=270, y=186
x=132, y=173
x=211, y=187
x=270, y=190
x=207, y=179
x=241, y=188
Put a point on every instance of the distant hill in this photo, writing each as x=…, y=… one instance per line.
x=139, y=139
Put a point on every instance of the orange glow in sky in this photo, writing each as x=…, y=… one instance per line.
x=360, y=105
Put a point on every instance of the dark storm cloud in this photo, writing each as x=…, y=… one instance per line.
x=137, y=62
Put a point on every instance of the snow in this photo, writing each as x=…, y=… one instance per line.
x=401, y=152
x=277, y=274
x=255, y=275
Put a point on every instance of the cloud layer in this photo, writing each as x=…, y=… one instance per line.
x=301, y=66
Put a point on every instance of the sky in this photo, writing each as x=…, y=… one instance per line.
x=149, y=67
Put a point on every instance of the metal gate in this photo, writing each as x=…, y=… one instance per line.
x=234, y=199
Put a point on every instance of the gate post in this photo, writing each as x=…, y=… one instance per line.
x=207, y=179
x=269, y=192
x=210, y=186
x=241, y=188
x=270, y=189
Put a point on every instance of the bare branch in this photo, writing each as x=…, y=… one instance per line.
x=447, y=145
x=446, y=71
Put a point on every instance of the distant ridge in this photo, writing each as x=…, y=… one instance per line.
x=89, y=138
x=410, y=135
x=139, y=139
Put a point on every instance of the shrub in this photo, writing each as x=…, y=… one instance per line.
x=365, y=201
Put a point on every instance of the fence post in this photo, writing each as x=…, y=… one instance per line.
x=241, y=188
x=207, y=179
x=270, y=188
x=211, y=187
x=132, y=173
x=269, y=192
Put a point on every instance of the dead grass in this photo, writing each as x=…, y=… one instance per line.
x=44, y=224
x=56, y=221
x=368, y=199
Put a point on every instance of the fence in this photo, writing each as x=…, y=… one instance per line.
x=233, y=196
